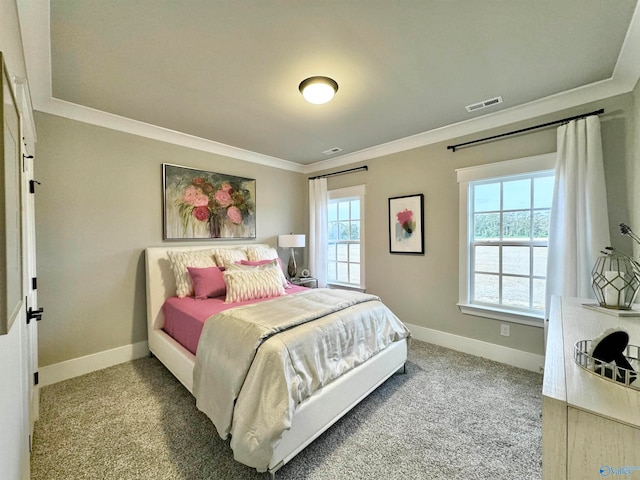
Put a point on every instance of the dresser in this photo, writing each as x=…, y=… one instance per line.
x=590, y=426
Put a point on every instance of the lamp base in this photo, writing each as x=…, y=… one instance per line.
x=292, y=269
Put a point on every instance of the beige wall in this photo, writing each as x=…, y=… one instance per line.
x=423, y=290
x=98, y=207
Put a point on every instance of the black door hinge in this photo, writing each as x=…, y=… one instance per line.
x=24, y=157
x=34, y=283
x=36, y=378
x=32, y=185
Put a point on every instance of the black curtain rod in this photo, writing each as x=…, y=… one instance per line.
x=341, y=172
x=597, y=112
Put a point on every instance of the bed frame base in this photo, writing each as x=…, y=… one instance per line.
x=329, y=404
x=316, y=413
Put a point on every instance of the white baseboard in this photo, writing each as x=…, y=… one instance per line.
x=510, y=356
x=80, y=366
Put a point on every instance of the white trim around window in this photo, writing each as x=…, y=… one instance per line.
x=357, y=191
x=518, y=166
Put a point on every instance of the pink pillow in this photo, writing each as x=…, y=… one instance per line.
x=257, y=263
x=207, y=282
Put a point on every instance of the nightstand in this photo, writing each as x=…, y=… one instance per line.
x=308, y=282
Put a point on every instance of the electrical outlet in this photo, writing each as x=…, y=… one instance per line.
x=505, y=330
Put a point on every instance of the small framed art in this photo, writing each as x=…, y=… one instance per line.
x=201, y=204
x=406, y=224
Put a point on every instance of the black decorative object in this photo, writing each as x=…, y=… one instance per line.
x=609, y=348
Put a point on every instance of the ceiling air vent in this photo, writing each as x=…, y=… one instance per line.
x=484, y=104
x=331, y=151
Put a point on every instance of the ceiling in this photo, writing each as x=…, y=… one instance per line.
x=223, y=75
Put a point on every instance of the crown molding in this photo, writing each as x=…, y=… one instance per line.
x=34, y=23
x=92, y=116
x=571, y=98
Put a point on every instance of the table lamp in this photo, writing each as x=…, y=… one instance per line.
x=291, y=241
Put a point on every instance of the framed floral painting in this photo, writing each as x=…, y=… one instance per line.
x=406, y=224
x=201, y=204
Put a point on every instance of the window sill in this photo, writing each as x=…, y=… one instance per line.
x=345, y=286
x=502, y=314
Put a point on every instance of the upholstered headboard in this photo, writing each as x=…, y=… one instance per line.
x=161, y=282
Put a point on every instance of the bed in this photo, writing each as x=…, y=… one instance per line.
x=315, y=413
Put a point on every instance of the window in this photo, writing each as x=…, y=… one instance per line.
x=505, y=228
x=345, y=236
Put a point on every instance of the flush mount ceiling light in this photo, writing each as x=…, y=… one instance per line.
x=318, y=90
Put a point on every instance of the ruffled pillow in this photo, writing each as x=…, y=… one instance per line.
x=258, y=263
x=179, y=262
x=253, y=283
x=225, y=256
x=207, y=282
x=261, y=253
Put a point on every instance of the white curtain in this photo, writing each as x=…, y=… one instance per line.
x=579, y=227
x=318, y=230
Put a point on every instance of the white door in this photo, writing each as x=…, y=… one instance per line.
x=33, y=313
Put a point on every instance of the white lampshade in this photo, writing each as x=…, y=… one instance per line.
x=291, y=241
x=318, y=90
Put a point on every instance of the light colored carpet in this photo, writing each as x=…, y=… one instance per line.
x=451, y=416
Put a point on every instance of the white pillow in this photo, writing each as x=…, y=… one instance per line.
x=255, y=254
x=229, y=255
x=275, y=261
x=251, y=284
x=181, y=260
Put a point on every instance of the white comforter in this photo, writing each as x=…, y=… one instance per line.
x=248, y=380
